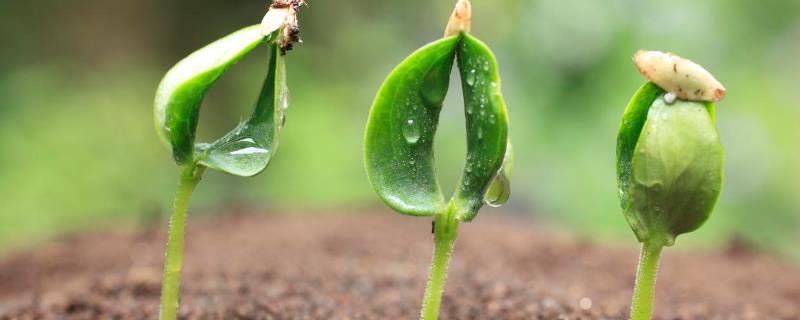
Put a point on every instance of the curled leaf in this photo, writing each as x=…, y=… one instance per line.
x=487, y=125
x=183, y=88
x=402, y=123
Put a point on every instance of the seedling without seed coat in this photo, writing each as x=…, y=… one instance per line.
x=244, y=151
x=669, y=160
x=400, y=132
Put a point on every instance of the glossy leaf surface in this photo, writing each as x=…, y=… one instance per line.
x=247, y=149
x=183, y=88
x=487, y=125
x=675, y=172
x=402, y=123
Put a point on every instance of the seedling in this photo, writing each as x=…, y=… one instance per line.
x=400, y=132
x=669, y=160
x=244, y=151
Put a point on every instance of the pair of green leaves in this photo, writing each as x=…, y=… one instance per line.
x=403, y=121
x=247, y=149
x=669, y=165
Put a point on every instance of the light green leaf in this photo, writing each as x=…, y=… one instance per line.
x=675, y=171
x=183, y=88
x=629, y=130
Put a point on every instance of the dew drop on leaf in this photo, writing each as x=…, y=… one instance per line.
x=411, y=131
x=471, y=77
x=499, y=190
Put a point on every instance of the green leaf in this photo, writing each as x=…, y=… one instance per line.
x=487, y=125
x=675, y=171
x=402, y=123
x=629, y=130
x=181, y=91
x=247, y=149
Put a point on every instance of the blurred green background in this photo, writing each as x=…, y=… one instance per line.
x=78, y=150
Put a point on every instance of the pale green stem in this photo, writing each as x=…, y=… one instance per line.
x=644, y=292
x=444, y=235
x=173, y=262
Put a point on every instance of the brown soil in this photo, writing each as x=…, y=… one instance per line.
x=373, y=266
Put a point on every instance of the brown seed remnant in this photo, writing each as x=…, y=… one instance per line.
x=282, y=15
x=460, y=20
x=684, y=78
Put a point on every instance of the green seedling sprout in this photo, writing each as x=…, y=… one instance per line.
x=244, y=151
x=399, y=140
x=669, y=160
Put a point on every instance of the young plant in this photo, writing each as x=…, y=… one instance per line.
x=669, y=160
x=244, y=151
x=399, y=140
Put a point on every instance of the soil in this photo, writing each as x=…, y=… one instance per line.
x=373, y=265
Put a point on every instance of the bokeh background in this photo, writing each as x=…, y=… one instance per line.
x=78, y=151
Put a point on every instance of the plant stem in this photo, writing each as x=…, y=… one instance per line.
x=173, y=262
x=643, y=293
x=444, y=235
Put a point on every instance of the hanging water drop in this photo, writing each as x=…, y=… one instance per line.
x=499, y=190
x=411, y=131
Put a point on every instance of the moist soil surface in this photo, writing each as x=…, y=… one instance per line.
x=373, y=265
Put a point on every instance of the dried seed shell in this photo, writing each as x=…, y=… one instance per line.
x=275, y=19
x=682, y=77
x=460, y=20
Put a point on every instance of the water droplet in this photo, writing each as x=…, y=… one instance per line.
x=494, y=84
x=248, y=151
x=471, y=77
x=486, y=65
x=480, y=133
x=492, y=118
x=412, y=162
x=469, y=168
x=499, y=190
x=411, y=131
x=669, y=98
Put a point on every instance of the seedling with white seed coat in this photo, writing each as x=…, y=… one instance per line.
x=669, y=160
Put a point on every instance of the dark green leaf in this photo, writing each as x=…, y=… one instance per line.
x=247, y=149
x=487, y=125
x=181, y=92
x=675, y=171
x=402, y=123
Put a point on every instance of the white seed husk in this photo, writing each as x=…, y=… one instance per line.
x=682, y=77
x=460, y=20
